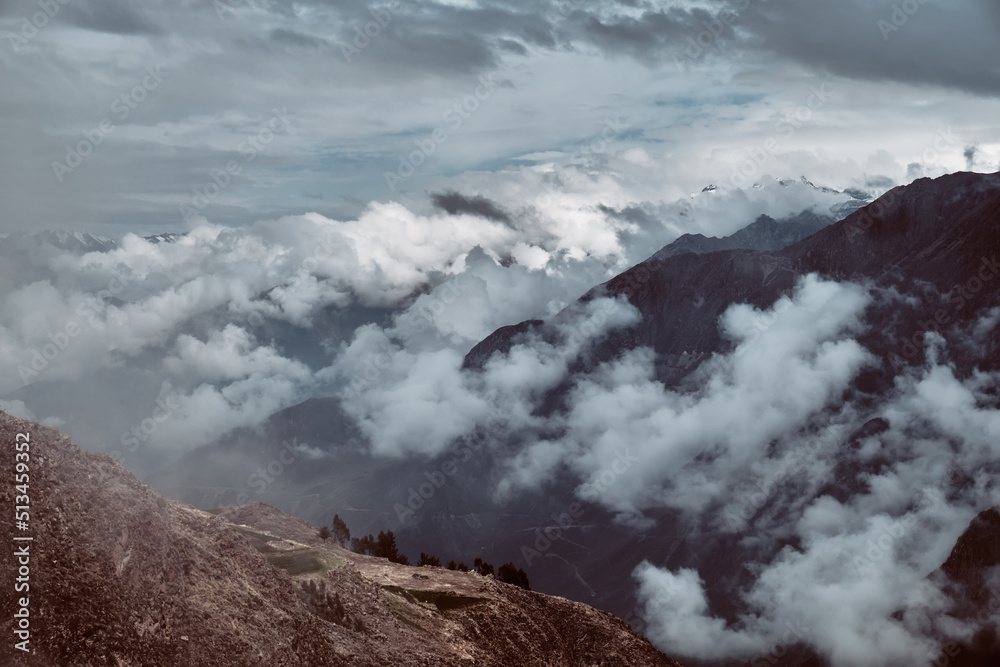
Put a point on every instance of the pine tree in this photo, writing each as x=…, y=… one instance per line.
x=340, y=531
x=513, y=575
x=482, y=567
x=364, y=545
x=428, y=560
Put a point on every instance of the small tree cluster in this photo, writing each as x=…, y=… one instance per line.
x=513, y=575
x=482, y=567
x=429, y=561
x=340, y=532
x=383, y=546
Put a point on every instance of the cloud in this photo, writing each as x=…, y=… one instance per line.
x=841, y=536
x=678, y=604
x=791, y=363
x=454, y=203
x=970, y=157
x=411, y=402
x=681, y=135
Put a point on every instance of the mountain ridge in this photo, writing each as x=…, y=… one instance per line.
x=122, y=576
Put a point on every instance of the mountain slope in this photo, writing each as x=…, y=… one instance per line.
x=122, y=576
x=764, y=233
x=942, y=232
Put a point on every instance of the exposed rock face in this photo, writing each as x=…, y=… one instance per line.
x=977, y=550
x=121, y=576
x=971, y=578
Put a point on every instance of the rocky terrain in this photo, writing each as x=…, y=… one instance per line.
x=969, y=577
x=121, y=576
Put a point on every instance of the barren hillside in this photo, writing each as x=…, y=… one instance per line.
x=121, y=576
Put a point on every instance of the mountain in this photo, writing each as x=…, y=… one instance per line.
x=926, y=253
x=934, y=244
x=78, y=243
x=764, y=233
x=118, y=575
x=939, y=232
x=857, y=197
x=967, y=575
x=169, y=237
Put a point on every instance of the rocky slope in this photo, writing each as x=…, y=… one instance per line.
x=121, y=576
x=971, y=577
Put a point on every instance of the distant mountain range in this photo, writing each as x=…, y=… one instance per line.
x=78, y=243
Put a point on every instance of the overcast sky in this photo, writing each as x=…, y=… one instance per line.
x=498, y=159
x=663, y=96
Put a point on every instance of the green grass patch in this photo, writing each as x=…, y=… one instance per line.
x=295, y=562
x=400, y=611
x=443, y=600
x=254, y=535
x=333, y=563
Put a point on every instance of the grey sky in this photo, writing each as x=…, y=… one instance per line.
x=561, y=71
